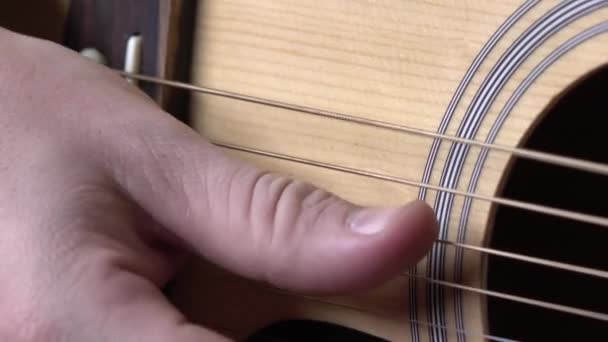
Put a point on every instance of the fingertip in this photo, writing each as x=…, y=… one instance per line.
x=389, y=241
x=421, y=226
x=422, y=217
x=416, y=218
x=375, y=245
x=411, y=232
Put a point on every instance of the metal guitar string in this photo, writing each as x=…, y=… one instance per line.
x=501, y=295
x=571, y=162
x=576, y=216
x=513, y=298
x=533, y=260
x=529, y=259
x=578, y=164
x=351, y=307
x=505, y=254
x=524, y=300
x=574, y=163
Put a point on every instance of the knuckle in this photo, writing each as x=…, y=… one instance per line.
x=291, y=210
x=287, y=208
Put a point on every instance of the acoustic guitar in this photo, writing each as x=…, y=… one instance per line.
x=494, y=112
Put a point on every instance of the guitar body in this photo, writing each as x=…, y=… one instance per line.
x=481, y=70
x=490, y=71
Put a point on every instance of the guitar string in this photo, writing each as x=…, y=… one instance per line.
x=505, y=296
x=358, y=309
x=534, y=302
x=563, y=213
x=529, y=301
x=582, y=217
x=520, y=299
x=549, y=263
x=418, y=322
x=570, y=162
x=480, y=291
x=529, y=259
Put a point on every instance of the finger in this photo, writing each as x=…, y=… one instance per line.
x=143, y=314
x=263, y=225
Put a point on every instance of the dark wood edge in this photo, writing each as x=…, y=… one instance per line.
x=177, y=25
x=166, y=27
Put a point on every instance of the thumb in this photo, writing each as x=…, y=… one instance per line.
x=262, y=225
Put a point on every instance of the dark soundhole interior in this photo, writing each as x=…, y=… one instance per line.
x=576, y=125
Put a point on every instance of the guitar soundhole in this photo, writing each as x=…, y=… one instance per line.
x=576, y=125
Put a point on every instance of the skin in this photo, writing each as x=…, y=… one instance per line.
x=104, y=196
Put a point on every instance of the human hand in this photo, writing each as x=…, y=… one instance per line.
x=103, y=196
